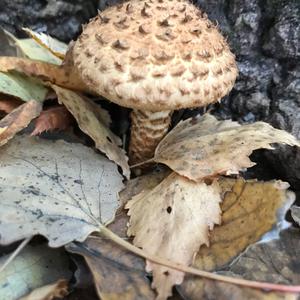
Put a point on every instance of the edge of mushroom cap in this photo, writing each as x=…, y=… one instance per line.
x=144, y=57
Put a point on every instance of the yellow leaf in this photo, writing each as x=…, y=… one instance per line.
x=203, y=147
x=91, y=122
x=249, y=211
x=172, y=221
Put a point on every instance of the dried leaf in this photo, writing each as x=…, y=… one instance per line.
x=8, y=104
x=18, y=119
x=296, y=213
x=249, y=211
x=206, y=289
x=275, y=261
x=57, y=290
x=29, y=48
x=203, y=146
x=83, y=111
x=172, y=221
x=51, y=44
x=63, y=75
x=59, y=190
x=6, y=49
x=32, y=268
x=21, y=87
x=118, y=274
x=54, y=118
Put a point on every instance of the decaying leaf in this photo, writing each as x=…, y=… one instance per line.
x=249, y=211
x=63, y=75
x=87, y=115
x=296, y=213
x=57, y=290
x=53, y=45
x=29, y=48
x=117, y=273
x=206, y=289
x=203, y=146
x=60, y=190
x=172, y=221
x=275, y=261
x=32, y=268
x=54, y=118
x=22, y=87
x=18, y=119
x=6, y=48
x=8, y=104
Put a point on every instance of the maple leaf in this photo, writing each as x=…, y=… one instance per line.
x=57, y=117
x=63, y=191
x=18, y=119
x=172, y=221
x=203, y=146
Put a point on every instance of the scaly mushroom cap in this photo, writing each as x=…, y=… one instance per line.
x=155, y=55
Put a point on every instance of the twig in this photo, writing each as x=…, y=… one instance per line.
x=142, y=163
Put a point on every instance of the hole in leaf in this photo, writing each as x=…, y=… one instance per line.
x=166, y=273
x=109, y=139
x=169, y=209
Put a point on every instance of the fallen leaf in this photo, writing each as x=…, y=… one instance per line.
x=53, y=45
x=275, y=261
x=87, y=115
x=118, y=274
x=296, y=213
x=32, y=268
x=18, y=119
x=172, y=221
x=249, y=211
x=8, y=104
x=29, y=48
x=57, y=290
x=203, y=146
x=59, y=190
x=6, y=49
x=63, y=75
x=54, y=118
x=22, y=87
x=206, y=289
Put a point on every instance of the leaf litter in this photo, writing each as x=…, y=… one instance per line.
x=63, y=191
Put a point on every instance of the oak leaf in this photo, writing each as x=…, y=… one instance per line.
x=90, y=122
x=34, y=267
x=59, y=190
x=203, y=146
x=54, y=118
x=172, y=221
x=18, y=119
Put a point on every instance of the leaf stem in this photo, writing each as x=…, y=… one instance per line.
x=142, y=163
x=15, y=253
x=232, y=280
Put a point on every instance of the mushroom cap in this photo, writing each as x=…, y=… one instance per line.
x=155, y=55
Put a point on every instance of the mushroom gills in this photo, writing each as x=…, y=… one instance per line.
x=147, y=130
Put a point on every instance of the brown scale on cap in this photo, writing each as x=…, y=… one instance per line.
x=143, y=47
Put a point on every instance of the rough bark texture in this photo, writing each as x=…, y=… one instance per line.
x=265, y=36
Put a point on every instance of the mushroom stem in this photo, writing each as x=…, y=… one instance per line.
x=147, y=130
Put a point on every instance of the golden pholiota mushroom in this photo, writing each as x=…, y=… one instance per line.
x=154, y=56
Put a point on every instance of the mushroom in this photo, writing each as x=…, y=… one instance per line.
x=154, y=56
